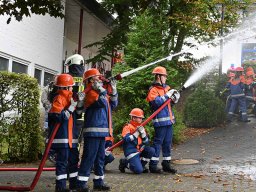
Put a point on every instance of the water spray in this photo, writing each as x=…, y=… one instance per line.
x=169, y=57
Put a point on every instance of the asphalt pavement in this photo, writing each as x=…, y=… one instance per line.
x=226, y=156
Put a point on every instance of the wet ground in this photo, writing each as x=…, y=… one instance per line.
x=227, y=162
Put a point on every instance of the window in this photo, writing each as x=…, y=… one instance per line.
x=38, y=74
x=19, y=68
x=3, y=64
x=48, y=77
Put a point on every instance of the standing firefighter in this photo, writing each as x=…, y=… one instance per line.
x=236, y=87
x=65, y=142
x=137, y=155
x=75, y=64
x=97, y=126
x=163, y=122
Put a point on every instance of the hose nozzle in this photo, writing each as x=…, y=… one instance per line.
x=118, y=77
x=182, y=88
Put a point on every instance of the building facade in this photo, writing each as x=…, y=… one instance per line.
x=38, y=45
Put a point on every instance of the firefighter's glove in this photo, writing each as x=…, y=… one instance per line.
x=113, y=85
x=170, y=92
x=80, y=102
x=72, y=106
x=175, y=97
x=98, y=87
x=142, y=131
x=136, y=134
x=81, y=96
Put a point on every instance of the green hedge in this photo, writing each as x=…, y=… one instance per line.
x=203, y=109
x=20, y=133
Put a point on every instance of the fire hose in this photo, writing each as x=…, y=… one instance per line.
x=39, y=170
x=145, y=122
x=42, y=163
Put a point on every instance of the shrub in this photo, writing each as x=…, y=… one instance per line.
x=178, y=127
x=20, y=132
x=203, y=109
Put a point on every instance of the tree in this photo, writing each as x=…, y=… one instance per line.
x=20, y=8
x=199, y=19
x=163, y=27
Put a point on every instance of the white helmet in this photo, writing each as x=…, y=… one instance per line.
x=74, y=59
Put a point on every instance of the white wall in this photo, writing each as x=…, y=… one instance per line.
x=36, y=39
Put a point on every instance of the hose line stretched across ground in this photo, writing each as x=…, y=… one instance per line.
x=41, y=166
x=39, y=170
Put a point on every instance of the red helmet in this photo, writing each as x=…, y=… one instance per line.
x=239, y=69
x=64, y=80
x=137, y=112
x=249, y=73
x=159, y=70
x=91, y=73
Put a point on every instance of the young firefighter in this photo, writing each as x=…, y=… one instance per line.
x=236, y=87
x=65, y=142
x=163, y=122
x=137, y=155
x=97, y=126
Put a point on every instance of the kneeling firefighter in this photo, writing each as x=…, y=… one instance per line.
x=137, y=154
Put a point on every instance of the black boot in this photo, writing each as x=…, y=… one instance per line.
x=168, y=168
x=154, y=169
x=86, y=189
x=145, y=170
x=103, y=187
x=122, y=165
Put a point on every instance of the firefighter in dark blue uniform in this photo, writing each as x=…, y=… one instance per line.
x=137, y=153
x=66, y=140
x=97, y=126
x=237, y=87
x=75, y=65
x=163, y=122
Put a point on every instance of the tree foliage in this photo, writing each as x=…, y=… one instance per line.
x=20, y=8
x=20, y=133
x=200, y=20
x=203, y=109
x=144, y=46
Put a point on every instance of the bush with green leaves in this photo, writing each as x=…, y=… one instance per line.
x=20, y=132
x=203, y=109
